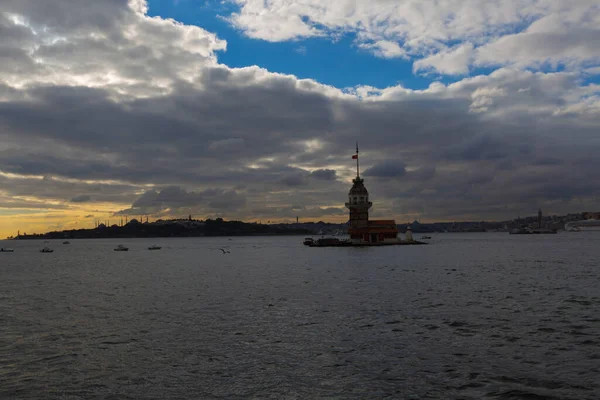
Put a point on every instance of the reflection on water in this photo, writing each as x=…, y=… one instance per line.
x=471, y=316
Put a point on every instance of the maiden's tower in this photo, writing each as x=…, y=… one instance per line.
x=363, y=231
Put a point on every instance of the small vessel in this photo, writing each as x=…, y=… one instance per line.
x=531, y=231
x=6, y=250
x=308, y=241
x=328, y=242
x=154, y=247
x=425, y=237
x=121, y=248
x=66, y=242
x=46, y=250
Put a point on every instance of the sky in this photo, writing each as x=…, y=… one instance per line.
x=250, y=109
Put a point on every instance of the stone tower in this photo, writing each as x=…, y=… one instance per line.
x=358, y=203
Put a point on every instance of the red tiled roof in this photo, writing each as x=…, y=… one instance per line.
x=374, y=229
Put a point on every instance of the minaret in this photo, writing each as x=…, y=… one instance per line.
x=540, y=218
x=358, y=204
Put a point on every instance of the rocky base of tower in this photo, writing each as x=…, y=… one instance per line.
x=334, y=242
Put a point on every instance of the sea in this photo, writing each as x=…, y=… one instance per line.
x=468, y=316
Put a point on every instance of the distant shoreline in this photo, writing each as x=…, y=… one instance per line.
x=31, y=237
x=219, y=227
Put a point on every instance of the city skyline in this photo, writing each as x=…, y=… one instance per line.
x=251, y=110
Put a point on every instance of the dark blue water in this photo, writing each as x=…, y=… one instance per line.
x=470, y=316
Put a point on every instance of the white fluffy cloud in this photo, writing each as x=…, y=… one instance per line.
x=548, y=32
x=109, y=44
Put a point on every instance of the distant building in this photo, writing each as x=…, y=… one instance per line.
x=360, y=228
x=591, y=215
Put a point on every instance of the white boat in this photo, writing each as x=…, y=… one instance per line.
x=154, y=247
x=46, y=250
x=121, y=248
x=6, y=250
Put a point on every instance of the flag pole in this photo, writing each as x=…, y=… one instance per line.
x=357, y=173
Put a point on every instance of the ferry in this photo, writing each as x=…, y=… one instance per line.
x=6, y=250
x=308, y=241
x=330, y=242
x=121, y=248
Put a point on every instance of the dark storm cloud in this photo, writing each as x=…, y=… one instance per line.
x=81, y=199
x=295, y=180
x=387, y=169
x=142, y=148
x=11, y=203
x=137, y=133
x=228, y=200
x=303, y=212
x=51, y=188
x=178, y=200
x=324, y=174
x=169, y=197
x=488, y=148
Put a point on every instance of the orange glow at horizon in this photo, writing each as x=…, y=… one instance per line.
x=41, y=220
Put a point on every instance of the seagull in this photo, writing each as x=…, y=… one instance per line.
x=224, y=251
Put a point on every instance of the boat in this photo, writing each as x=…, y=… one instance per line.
x=425, y=237
x=46, y=250
x=154, y=247
x=308, y=241
x=531, y=231
x=66, y=242
x=121, y=248
x=328, y=242
x=6, y=250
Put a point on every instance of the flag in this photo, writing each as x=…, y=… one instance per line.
x=355, y=157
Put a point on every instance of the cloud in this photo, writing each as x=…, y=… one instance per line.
x=387, y=169
x=176, y=200
x=453, y=61
x=554, y=40
x=228, y=200
x=384, y=48
x=301, y=212
x=324, y=174
x=301, y=50
x=295, y=180
x=230, y=144
x=81, y=199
